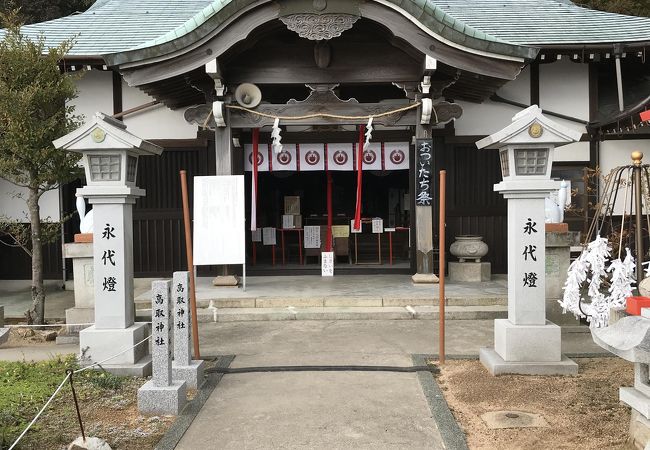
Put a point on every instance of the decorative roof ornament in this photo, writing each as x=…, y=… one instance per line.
x=318, y=27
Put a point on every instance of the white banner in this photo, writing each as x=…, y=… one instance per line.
x=219, y=221
x=339, y=157
x=372, y=157
x=312, y=157
x=286, y=159
x=396, y=155
x=262, y=158
x=256, y=235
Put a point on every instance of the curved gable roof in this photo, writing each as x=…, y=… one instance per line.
x=507, y=27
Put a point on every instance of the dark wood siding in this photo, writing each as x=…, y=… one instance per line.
x=15, y=264
x=158, y=233
x=472, y=205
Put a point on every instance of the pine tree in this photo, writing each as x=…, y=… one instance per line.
x=34, y=111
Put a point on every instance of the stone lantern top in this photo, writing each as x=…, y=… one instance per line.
x=105, y=133
x=110, y=156
x=528, y=127
x=526, y=150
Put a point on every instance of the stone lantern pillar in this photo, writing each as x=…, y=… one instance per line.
x=110, y=160
x=526, y=343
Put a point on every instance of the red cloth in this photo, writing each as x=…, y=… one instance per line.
x=328, y=244
x=634, y=305
x=357, y=212
x=645, y=116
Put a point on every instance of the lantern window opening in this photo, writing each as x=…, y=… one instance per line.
x=105, y=167
x=531, y=161
x=505, y=163
x=131, y=166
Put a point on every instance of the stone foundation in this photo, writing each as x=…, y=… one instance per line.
x=472, y=272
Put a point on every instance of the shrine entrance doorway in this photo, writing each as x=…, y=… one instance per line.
x=292, y=206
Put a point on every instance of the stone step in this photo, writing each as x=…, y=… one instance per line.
x=344, y=313
x=338, y=301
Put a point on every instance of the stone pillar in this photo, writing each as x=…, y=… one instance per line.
x=81, y=254
x=558, y=256
x=161, y=394
x=526, y=343
x=4, y=332
x=424, y=188
x=110, y=158
x=184, y=367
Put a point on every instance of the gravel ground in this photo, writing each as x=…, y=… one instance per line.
x=583, y=411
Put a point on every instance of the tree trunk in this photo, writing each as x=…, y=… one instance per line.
x=37, y=313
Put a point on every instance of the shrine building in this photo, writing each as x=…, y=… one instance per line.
x=331, y=108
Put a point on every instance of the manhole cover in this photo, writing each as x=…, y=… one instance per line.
x=513, y=419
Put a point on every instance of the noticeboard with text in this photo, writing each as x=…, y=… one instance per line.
x=423, y=176
x=219, y=220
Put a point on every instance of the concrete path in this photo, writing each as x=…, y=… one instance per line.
x=16, y=297
x=330, y=410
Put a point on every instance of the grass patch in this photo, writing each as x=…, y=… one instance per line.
x=107, y=402
x=24, y=388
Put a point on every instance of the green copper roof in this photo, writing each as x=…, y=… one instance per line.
x=501, y=26
x=546, y=22
x=111, y=26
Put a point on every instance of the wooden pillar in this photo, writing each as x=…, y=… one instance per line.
x=224, y=166
x=223, y=149
x=423, y=217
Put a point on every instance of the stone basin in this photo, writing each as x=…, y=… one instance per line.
x=628, y=338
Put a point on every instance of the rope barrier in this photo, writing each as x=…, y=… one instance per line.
x=112, y=357
x=60, y=325
x=40, y=412
x=325, y=115
x=68, y=378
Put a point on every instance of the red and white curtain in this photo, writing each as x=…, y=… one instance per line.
x=379, y=156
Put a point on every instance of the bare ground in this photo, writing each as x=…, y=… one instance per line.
x=583, y=411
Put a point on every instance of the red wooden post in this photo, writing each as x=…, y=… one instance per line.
x=190, y=263
x=441, y=263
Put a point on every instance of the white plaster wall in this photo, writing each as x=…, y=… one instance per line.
x=95, y=93
x=14, y=207
x=486, y=118
x=617, y=153
x=578, y=151
x=158, y=122
x=564, y=89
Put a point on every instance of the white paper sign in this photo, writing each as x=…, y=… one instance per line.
x=287, y=221
x=353, y=230
x=377, y=225
x=312, y=236
x=219, y=220
x=256, y=235
x=327, y=264
x=269, y=236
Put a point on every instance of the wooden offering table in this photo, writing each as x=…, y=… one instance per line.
x=300, y=243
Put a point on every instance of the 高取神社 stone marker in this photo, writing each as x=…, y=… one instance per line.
x=161, y=394
x=184, y=367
